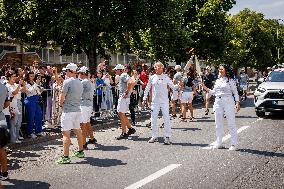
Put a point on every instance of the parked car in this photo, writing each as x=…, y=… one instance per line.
x=269, y=95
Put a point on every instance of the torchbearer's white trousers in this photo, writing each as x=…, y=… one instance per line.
x=155, y=109
x=225, y=105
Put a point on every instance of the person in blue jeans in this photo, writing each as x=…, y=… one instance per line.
x=99, y=83
x=33, y=109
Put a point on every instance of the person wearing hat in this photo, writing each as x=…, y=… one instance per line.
x=125, y=86
x=243, y=83
x=159, y=82
x=70, y=100
x=86, y=107
x=208, y=80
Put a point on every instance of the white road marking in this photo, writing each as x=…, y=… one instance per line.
x=227, y=137
x=153, y=176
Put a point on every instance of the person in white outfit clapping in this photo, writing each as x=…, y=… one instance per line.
x=226, y=102
x=159, y=83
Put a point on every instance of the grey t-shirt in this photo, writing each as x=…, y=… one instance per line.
x=122, y=86
x=178, y=76
x=72, y=89
x=3, y=97
x=88, y=93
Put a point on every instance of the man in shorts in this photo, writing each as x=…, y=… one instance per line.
x=125, y=86
x=86, y=107
x=175, y=93
x=70, y=100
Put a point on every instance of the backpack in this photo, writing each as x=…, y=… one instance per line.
x=188, y=82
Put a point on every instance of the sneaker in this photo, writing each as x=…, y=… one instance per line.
x=21, y=138
x=233, y=148
x=63, y=160
x=131, y=131
x=85, y=146
x=167, y=141
x=92, y=141
x=218, y=146
x=18, y=142
x=78, y=154
x=148, y=125
x=4, y=176
x=122, y=136
x=33, y=136
x=207, y=112
x=153, y=139
x=40, y=134
x=174, y=115
x=162, y=126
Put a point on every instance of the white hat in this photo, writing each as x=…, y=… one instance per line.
x=177, y=67
x=208, y=68
x=72, y=67
x=119, y=67
x=83, y=69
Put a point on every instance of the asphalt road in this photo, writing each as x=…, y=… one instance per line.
x=187, y=163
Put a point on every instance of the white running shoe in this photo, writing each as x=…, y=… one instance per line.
x=153, y=139
x=218, y=146
x=167, y=141
x=233, y=148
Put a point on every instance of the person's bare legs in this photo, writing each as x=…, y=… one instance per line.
x=183, y=110
x=66, y=142
x=84, y=132
x=122, y=121
x=90, y=130
x=3, y=160
x=79, y=135
x=173, y=107
x=190, y=109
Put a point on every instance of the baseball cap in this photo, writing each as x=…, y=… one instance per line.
x=72, y=67
x=119, y=67
x=83, y=69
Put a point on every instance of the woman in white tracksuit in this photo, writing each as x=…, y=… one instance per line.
x=159, y=83
x=227, y=99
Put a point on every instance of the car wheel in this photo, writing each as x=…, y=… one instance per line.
x=260, y=113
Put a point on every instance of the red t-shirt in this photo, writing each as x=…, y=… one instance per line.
x=144, y=78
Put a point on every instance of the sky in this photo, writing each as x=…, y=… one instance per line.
x=272, y=9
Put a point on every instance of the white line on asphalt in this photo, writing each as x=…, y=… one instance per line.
x=153, y=176
x=225, y=137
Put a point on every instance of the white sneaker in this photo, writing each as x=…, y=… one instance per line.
x=167, y=141
x=33, y=136
x=40, y=134
x=21, y=138
x=218, y=146
x=153, y=139
x=233, y=148
x=18, y=142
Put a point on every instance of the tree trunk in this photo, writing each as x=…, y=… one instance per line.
x=92, y=55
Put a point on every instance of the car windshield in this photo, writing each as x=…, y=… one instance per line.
x=275, y=77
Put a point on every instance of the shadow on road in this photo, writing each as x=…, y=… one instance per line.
x=262, y=153
x=190, y=144
x=21, y=184
x=187, y=129
x=110, y=148
x=101, y=162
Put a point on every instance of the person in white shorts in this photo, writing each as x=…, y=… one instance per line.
x=70, y=99
x=175, y=93
x=125, y=86
x=188, y=91
x=86, y=107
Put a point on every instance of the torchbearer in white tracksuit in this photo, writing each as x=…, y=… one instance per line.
x=159, y=84
x=226, y=102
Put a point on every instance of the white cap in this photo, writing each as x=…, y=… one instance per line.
x=208, y=68
x=177, y=67
x=83, y=69
x=242, y=69
x=72, y=67
x=119, y=67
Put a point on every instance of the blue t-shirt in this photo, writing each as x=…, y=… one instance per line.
x=99, y=89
